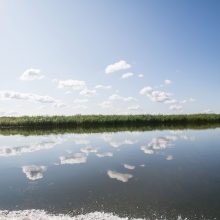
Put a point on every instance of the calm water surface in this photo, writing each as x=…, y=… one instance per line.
x=155, y=175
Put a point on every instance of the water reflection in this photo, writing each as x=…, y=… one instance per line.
x=123, y=177
x=73, y=158
x=117, y=140
x=105, y=154
x=88, y=150
x=34, y=172
x=158, y=172
x=6, y=151
x=129, y=167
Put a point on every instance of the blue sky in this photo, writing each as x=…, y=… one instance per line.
x=148, y=56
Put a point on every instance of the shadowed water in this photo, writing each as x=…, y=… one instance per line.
x=150, y=174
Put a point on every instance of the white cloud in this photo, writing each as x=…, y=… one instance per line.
x=140, y=75
x=121, y=65
x=73, y=159
x=8, y=113
x=191, y=100
x=88, y=92
x=115, y=97
x=127, y=75
x=103, y=87
x=176, y=107
x=68, y=92
x=7, y=95
x=167, y=82
x=129, y=167
x=34, y=172
x=73, y=84
x=134, y=108
x=31, y=74
x=80, y=107
x=208, y=111
x=171, y=101
x=155, y=95
x=123, y=177
x=187, y=100
x=59, y=105
x=80, y=100
x=106, y=104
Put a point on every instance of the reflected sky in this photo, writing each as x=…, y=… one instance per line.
x=136, y=174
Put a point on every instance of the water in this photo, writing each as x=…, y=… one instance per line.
x=146, y=175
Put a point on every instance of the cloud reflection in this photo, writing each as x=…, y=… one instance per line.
x=88, y=150
x=123, y=177
x=34, y=172
x=129, y=167
x=158, y=143
x=6, y=151
x=73, y=159
x=105, y=154
x=116, y=141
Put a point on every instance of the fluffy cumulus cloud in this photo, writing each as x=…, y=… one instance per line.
x=88, y=92
x=34, y=172
x=71, y=84
x=31, y=74
x=171, y=101
x=207, y=111
x=134, y=108
x=187, y=100
x=167, y=82
x=80, y=107
x=176, y=107
x=7, y=113
x=103, y=87
x=155, y=95
x=123, y=177
x=127, y=75
x=141, y=75
x=8, y=95
x=80, y=100
x=106, y=104
x=116, y=97
x=120, y=65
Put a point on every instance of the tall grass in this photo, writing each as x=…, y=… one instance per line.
x=108, y=121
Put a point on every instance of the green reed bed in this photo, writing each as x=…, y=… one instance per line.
x=108, y=121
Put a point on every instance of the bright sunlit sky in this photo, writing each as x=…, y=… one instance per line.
x=109, y=56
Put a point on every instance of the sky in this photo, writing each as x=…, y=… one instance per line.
x=109, y=57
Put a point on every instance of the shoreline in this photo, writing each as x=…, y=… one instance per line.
x=105, y=123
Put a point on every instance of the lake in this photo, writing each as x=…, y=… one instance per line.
x=169, y=174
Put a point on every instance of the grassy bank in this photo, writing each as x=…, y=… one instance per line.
x=108, y=121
